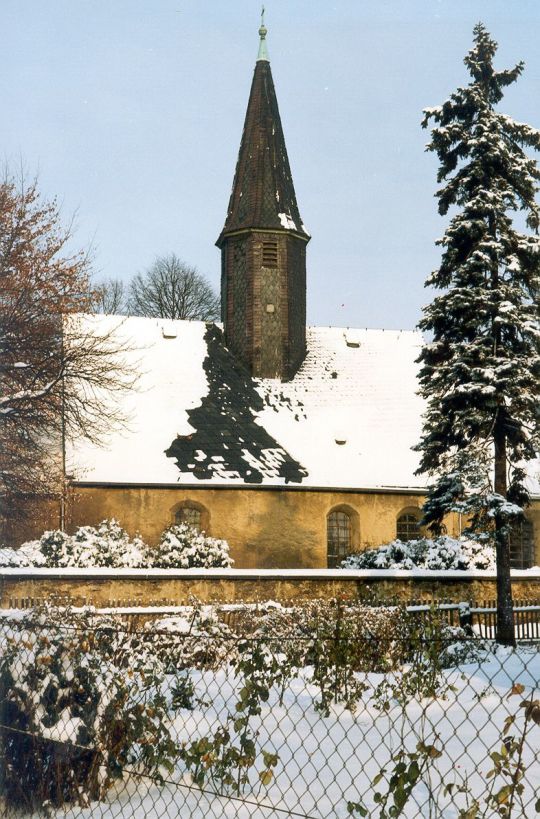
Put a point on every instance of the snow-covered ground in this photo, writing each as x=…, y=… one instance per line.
x=326, y=761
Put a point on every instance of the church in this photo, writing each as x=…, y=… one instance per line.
x=293, y=443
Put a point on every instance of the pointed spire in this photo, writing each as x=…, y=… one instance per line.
x=263, y=193
x=263, y=51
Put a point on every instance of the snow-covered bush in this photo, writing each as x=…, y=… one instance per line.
x=106, y=545
x=57, y=548
x=83, y=701
x=336, y=639
x=199, y=639
x=441, y=553
x=29, y=554
x=277, y=622
x=460, y=648
x=184, y=547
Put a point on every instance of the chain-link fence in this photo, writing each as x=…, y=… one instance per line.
x=318, y=711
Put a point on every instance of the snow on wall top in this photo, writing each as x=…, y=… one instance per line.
x=348, y=419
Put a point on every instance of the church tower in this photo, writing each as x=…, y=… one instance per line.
x=263, y=243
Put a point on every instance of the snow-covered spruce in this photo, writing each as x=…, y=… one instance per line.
x=442, y=553
x=184, y=547
x=480, y=373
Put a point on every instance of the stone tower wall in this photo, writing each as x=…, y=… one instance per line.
x=264, y=301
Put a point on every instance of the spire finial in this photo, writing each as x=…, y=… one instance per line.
x=263, y=51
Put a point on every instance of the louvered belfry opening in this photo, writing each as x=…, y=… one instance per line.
x=270, y=254
x=263, y=245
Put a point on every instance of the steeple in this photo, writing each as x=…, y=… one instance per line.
x=263, y=191
x=263, y=242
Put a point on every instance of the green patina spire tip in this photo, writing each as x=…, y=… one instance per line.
x=263, y=51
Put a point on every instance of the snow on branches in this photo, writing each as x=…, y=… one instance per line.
x=442, y=553
x=480, y=374
x=54, y=371
x=108, y=545
x=480, y=371
x=183, y=547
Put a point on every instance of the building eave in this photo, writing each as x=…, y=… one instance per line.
x=363, y=490
x=227, y=234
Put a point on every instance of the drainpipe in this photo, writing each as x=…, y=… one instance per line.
x=63, y=443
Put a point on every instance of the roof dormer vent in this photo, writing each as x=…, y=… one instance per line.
x=352, y=338
x=168, y=330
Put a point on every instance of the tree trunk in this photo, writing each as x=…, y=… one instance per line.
x=505, y=607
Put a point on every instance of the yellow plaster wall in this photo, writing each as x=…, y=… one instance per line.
x=264, y=528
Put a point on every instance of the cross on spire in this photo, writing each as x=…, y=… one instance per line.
x=263, y=51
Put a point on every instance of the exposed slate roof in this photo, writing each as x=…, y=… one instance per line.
x=228, y=438
x=347, y=419
x=263, y=191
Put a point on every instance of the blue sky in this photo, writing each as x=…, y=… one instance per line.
x=132, y=111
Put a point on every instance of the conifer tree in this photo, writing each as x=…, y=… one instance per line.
x=480, y=372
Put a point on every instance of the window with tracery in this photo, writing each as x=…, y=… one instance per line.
x=407, y=527
x=339, y=531
x=522, y=545
x=189, y=515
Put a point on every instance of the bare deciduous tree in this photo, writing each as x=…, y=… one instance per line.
x=111, y=297
x=171, y=289
x=56, y=367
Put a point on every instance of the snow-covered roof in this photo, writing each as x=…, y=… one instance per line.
x=348, y=419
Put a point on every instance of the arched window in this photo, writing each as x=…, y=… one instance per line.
x=339, y=537
x=522, y=545
x=189, y=515
x=192, y=513
x=407, y=527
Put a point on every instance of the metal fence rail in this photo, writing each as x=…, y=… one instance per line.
x=480, y=616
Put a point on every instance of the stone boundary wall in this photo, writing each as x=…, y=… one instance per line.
x=20, y=588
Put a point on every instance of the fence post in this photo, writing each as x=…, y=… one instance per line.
x=465, y=617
